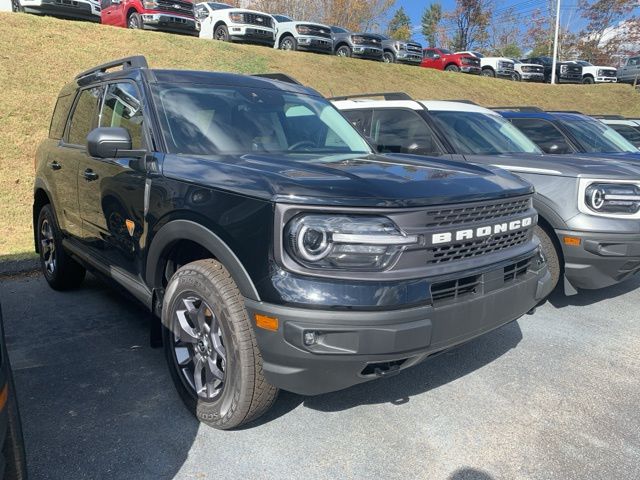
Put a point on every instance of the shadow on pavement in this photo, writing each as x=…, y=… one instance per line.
x=589, y=297
x=470, y=474
x=96, y=400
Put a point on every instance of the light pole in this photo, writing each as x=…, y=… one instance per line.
x=555, y=44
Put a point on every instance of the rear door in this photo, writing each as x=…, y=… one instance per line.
x=111, y=191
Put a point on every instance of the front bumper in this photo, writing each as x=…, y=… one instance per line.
x=408, y=57
x=372, y=53
x=601, y=259
x=251, y=34
x=315, y=44
x=606, y=80
x=504, y=73
x=77, y=9
x=471, y=70
x=532, y=77
x=352, y=347
x=169, y=23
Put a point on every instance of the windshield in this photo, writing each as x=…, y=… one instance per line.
x=218, y=6
x=339, y=30
x=477, y=133
x=630, y=133
x=213, y=120
x=596, y=137
x=584, y=63
x=477, y=54
x=445, y=51
x=282, y=18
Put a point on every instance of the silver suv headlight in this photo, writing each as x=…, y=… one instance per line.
x=610, y=198
x=345, y=242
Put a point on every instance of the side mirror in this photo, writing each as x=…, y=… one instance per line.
x=111, y=142
x=553, y=148
x=436, y=56
x=115, y=2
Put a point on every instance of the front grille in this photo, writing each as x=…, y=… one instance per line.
x=415, y=48
x=473, y=61
x=505, y=66
x=463, y=250
x=609, y=73
x=517, y=270
x=175, y=6
x=454, y=289
x=532, y=69
x=476, y=213
x=256, y=19
x=318, y=31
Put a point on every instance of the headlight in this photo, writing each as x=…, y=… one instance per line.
x=342, y=242
x=303, y=30
x=617, y=199
x=236, y=17
x=400, y=46
x=601, y=73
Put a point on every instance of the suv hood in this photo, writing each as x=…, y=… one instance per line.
x=562, y=165
x=353, y=180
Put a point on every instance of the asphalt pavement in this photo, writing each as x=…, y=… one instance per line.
x=554, y=395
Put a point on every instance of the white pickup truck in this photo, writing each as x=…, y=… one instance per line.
x=500, y=67
x=220, y=21
x=629, y=71
x=597, y=73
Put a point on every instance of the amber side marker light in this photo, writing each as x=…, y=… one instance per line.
x=266, y=322
x=572, y=241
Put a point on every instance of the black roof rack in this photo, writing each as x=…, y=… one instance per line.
x=609, y=117
x=282, y=77
x=137, y=61
x=385, y=95
x=519, y=109
x=469, y=102
x=565, y=111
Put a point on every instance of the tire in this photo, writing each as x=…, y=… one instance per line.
x=134, y=21
x=487, y=72
x=588, y=80
x=288, y=43
x=221, y=33
x=344, y=51
x=16, y=7
x=206, y=326
x=516, y=77
x=551, y=253
x=452, y=68
x=60, y=270
x=388, y=57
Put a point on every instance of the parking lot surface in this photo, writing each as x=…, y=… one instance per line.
x=552, y=396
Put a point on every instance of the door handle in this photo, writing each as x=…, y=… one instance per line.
x=55, y=165
x=89, y=175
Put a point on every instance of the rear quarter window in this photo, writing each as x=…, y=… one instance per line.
x=60, y=115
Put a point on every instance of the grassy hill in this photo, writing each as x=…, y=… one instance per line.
x=38, y=55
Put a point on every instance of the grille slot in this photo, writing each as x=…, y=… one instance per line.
x=517, y=270
x=476, y=213
x=462, y=250
x=176, y=6
x=317, y=31
x=455, y=288
x=255, y=19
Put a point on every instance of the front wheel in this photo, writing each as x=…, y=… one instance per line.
x=343, y=51
x=135, y=21
x=221, y=33
x=487, y=72
x=452, y=68
x=288, y=43
x=516, y=77
x=389, y=57
x=551, y=254
x=588, y=80
x=211, y=347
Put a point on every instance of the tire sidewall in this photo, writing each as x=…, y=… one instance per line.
x=224, y=31
x=134, y=21
x=550, y=250
x=219, y=411
x=346, y=51
x=487, y=73
x=389, y=57
x=46, y=213
x=452, y=68
x=516, y=77
x=588, y=81
x=291, y=41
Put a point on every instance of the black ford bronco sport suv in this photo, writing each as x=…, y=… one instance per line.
x=278, y=250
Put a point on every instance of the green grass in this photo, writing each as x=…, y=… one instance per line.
x=38, y=55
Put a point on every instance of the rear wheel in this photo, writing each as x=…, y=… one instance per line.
x=211, y=347
x=221, y=33
x=288, y=43
x=343, y=51
x=389, y=57
x=452, y=68
x=551, y=253
x=134, y=21
x=487, y=72
x=60, y=270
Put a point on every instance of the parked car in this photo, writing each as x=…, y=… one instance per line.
x=589, y=240
x=219, y=21
x=566, y=72
x=629, y=129
x=527, y=72
x=629, y=71
x=278, y=249
x=13, y=464
x=73, y=9
x=446, y=60
x=398, y=51
x=360, y=45
x=295, y=35
x=500, y=67
x=597, y=74
x=160, y=15
x=570, y=133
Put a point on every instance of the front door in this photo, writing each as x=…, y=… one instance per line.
x=111, y=12
x=111, y=191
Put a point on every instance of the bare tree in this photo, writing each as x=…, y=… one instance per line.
x=470, y=21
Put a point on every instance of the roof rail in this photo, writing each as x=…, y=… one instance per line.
x=565, y=111
x=385, y=95
x=610, y=117
x=137, y=61
x=469, y=102
x=282, y=77
x=519, y=109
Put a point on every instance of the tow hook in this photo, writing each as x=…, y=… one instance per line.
x=387, y=371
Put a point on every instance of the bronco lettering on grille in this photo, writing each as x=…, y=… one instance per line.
x=480, y=232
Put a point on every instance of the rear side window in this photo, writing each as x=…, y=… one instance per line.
x=60, y=115
x=544, y=134
x=84, y=116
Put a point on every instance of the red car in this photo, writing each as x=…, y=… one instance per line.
x=443, y=59
x=175, y=16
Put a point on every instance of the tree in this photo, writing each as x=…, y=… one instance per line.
x=309, y=10
x=538, y=38
x=399, y=27
x=470, y=20
x=356, y=15
x=504, y=35
x=431, y=19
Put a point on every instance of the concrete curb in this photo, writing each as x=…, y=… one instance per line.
x=15, y=267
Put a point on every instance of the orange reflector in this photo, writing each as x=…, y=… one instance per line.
x=4, y=396
x=268, y=323
x=572, y=241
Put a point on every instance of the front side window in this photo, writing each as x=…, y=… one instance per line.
x=478, y=133
x=403, y=131
x=122, y=108
x=220, y=120
x=596, y=137
x=84, y=116
x=544, y=134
